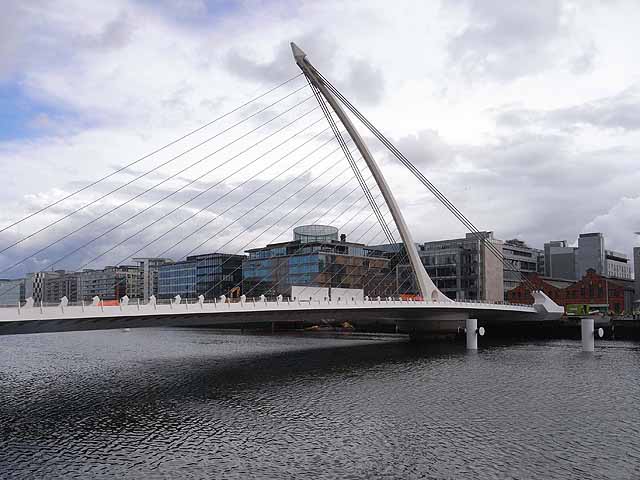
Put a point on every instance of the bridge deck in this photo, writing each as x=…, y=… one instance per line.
x=54, y=319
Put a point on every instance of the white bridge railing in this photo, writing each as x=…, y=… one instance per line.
x=177, y=305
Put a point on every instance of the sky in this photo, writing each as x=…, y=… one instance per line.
x=525, y=114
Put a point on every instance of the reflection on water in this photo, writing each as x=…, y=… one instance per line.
x=200, y=404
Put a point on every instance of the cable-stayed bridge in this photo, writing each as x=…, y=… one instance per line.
x=290, y=160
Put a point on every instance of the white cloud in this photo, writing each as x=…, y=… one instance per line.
x=525, y=117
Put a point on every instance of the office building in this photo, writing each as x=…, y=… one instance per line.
x=316, y=257
x=520, y=260
x=590, y=254
x=178, y=278
x=211, y=275
x=464, y=268
x=461, y=268
x=218, y=274
x=559, y=260
x=563, y=261
x=49, y=287
x=11, y=292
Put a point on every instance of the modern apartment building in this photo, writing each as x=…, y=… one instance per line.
x=110, y=283
x=50, y=286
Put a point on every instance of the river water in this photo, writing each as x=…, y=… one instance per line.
x=171, y=403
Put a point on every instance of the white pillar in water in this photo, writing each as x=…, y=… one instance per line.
x=472, y=334
x=588, y=335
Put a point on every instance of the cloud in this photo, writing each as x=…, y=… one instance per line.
x=619, y=224
x=11, y=38
x=249, y=65
x=620, y=111
x=507, y=40
x=584, y=61
x=115, y=34
x=107, y=82
x=425, y=148
x=366, y=82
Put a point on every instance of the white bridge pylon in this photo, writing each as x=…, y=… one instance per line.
x=427, y=288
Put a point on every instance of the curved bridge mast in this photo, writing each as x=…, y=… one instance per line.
x=427, y=288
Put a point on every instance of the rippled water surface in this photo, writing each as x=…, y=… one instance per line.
x=203, y=404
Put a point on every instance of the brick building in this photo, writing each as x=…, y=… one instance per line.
x=555, y=289
x=593, y=290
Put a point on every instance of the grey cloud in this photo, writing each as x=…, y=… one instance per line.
x=30, y=35
x=115, y=34
x=426, y=148
x=15, y=23
x=506, y=40
x=529, y=185
x=253, y=215
x=281, y=66
x=365, y=82
x=538, y=183
x=621, y=111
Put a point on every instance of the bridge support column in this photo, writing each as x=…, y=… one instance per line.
x=588, y=335
x=472, y=333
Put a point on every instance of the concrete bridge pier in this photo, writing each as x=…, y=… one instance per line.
x=588, y=333
x=472, y=333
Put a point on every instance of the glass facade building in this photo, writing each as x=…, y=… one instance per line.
x=211, y=275
x=461, y=268
x=11, y=292
x=177, y=278
x=314, y=258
